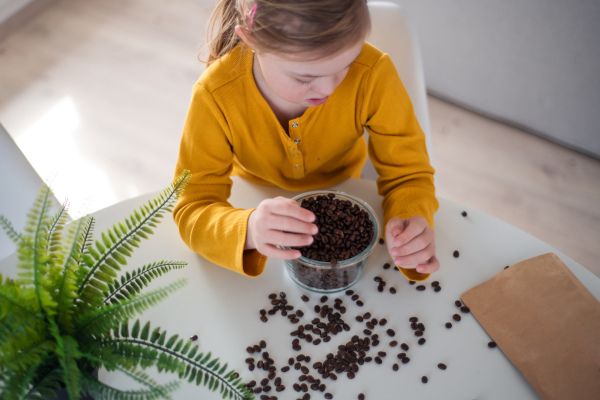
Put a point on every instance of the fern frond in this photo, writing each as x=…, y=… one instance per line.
x=131, y=284
x=16, y=385
x=104, y=319
x=46, y=387
x=172, y=355
x=68, y=353
x=11, y=232
x=56, y=226
x=67, y=283
x=99, y=390
x=109, y=254
x=155, y=390
x=33, y=251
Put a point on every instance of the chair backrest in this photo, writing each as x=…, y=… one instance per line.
x=392, y=33
x=20, y=186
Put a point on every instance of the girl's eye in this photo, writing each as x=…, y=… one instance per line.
x=303, y=82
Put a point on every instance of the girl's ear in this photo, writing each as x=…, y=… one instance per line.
x=245, y=35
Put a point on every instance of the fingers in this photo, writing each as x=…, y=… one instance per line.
x=411, y=244
x=280, y=222
x=412, y=229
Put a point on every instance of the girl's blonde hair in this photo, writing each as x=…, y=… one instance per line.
x=295, y=26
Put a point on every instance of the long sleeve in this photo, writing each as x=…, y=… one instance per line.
x=208, y=224
x=398, y=151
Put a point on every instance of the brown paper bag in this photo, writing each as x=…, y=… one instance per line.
x=546, y=322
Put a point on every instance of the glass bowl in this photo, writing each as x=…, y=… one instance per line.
x=330, y=276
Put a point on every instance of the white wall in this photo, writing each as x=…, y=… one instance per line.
x=532, y=63
x=9, y=7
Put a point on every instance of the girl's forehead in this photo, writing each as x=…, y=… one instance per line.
x=311, y=63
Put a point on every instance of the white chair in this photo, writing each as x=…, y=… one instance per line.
x=393, y=34
x=20, y=186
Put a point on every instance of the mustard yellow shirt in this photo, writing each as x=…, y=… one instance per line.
x=230, y=129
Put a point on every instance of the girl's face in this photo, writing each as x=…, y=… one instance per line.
x=303, y=82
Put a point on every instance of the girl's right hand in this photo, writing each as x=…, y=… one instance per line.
x=280, y=222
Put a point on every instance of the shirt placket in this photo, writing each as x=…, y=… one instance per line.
x=294, y=153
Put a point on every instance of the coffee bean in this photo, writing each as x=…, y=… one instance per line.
x=437, y=289
x=404, y=346
x=464, y=213
x=391, y=332
x=492, y=344
x=264, y=318
x=411, y=282
x=422, y=341
x=262, y=344
x=456, y=317
x=506, y=267
x=435, y=283
x=367, y=315
x=359, y=303
x=458, y=303
x=424, y=379
x=395, y=367
x=393, y=343
x=285, y=369
x=272, y=296
x=361, y=397
x=405, y=360
x=418, y=333
x=465, y=309
x=381, y=241
x=455, y=254
x=448, y=325
x=413, y=319
x=304, y=298
x=378, y=360
x=421, y=288
x=324, y=299
x=386, y=266
x=328, y=396
x=392, y=290
x=441, y=366
x=194, y=337
x=382, y=322
x=250, y=350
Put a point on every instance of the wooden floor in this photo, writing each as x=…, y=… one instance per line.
x=95, y=93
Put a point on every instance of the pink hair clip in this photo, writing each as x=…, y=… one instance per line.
x=252, y=12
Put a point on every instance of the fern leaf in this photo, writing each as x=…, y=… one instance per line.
x=206, y=370
x=131, y=282
x=68, y=353
x=11, y=232
x=136, y=224
x=103, y=320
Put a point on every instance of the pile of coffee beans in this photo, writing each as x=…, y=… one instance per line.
x=345, y=230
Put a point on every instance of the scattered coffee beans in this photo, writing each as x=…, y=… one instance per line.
x=455, y=254
x=442, y=366
x=492, y=344
x=424, y=379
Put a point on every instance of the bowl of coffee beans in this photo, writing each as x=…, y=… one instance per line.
x=348, y=232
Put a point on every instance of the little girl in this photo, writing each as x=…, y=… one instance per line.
x=290, y=86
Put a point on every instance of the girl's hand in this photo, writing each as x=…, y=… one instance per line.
x=280, y=222
x=411, y=244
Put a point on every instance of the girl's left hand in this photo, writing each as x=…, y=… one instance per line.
x=411, y=244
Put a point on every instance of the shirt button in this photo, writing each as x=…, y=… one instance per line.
x=295, y=125
x=297, y=166
x=296, y=154
x=297, y=141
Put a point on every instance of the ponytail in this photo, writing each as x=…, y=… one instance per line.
x=221, y=30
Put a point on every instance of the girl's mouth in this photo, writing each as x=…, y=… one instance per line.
x=317, y=102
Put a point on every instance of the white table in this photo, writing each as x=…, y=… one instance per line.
x=222, y=307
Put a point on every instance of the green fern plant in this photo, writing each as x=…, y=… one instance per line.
x=68, y=313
